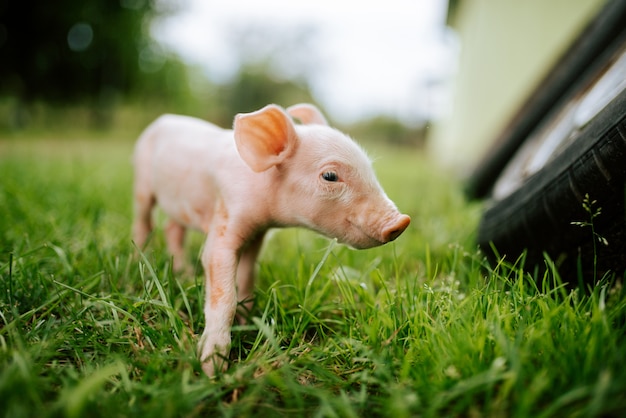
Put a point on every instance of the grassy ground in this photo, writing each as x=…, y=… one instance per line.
x=421, y=327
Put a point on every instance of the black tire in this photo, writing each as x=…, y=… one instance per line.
x=542, y=212
x=540, y=216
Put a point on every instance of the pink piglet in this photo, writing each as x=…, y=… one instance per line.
x=233, y=185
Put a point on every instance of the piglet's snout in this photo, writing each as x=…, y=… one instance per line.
x=395, y=228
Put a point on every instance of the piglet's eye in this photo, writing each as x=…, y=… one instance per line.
x=330, y=176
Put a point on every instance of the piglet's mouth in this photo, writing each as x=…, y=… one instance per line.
x=395, y=228
x=389, y=232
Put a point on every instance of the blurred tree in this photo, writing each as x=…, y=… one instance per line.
x=74, y=51
x=71, y=49
x=255, y=86
x=389, y=130
x=274, y=61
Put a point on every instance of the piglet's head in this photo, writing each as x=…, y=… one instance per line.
x=321, y=179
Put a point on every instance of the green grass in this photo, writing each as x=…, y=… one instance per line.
x=421, y=327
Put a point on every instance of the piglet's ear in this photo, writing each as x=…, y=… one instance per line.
x=307, y=113
x=264, y=138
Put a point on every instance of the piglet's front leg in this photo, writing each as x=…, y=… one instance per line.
x=219, y=260
x=245, y=277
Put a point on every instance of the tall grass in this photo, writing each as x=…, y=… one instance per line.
x=424, y=326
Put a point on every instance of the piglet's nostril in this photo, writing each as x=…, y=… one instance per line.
x=395, y=228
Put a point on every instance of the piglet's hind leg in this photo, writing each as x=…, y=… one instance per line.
x=142, y=223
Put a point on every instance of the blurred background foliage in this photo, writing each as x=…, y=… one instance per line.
x=76, y=65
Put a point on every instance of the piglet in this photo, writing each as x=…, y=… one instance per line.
x=233, y=185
